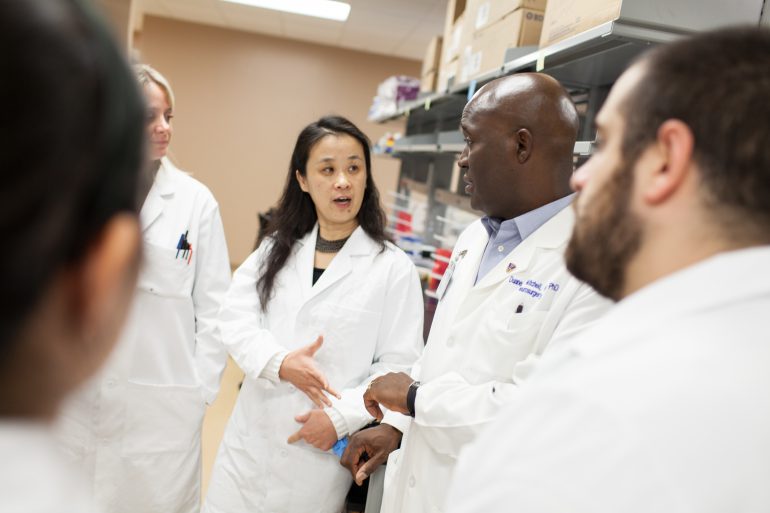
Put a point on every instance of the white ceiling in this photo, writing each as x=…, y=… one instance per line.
x=400, y=28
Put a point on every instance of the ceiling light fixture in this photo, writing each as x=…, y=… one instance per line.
x=328, y=9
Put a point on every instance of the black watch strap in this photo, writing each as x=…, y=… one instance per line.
x=411, y=395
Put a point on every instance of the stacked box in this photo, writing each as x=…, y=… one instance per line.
x=454, y=37
x=498, y=25
x=566, y=18
x=484, y=13
x=430, y=65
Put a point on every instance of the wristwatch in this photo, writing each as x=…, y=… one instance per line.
x=411, y=395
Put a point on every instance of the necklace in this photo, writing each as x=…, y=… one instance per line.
x=329, y=246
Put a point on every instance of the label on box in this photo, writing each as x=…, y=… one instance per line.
x=482, y=15
x=473, y=64
x=454, y=43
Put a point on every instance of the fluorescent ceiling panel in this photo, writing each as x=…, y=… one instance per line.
x=328, y=9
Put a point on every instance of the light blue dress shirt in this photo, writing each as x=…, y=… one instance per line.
x=505, y=235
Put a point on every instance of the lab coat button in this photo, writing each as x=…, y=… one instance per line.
x=412, y=481
x=284, y=453
x=111, y=383
x=292, y=388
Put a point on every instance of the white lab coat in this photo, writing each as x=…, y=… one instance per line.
x=661, y=407
x=479, y=350
x=34, y=475
x=368, y=306
x=136, y=427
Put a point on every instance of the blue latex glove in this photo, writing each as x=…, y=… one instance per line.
x=339, y=447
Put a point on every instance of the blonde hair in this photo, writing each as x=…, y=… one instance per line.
x=146, y=74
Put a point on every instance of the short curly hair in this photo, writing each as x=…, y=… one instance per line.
x=718, y=83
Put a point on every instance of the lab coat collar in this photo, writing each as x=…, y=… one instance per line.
x=358, y=244
x=553, y=234
x=162, y=188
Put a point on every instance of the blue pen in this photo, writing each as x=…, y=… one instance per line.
x=339, y=447
x=182, y=245
x=179, y=245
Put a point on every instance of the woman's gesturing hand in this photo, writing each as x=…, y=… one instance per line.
x=317, y=430
x=299, y=369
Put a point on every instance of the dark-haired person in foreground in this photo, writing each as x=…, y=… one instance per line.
x=663, y=405
x=71, y=138
x=323, y=305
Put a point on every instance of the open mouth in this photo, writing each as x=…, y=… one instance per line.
x=343, y=201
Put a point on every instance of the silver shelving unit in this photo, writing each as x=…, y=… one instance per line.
x=586, y=64
x=452, y=142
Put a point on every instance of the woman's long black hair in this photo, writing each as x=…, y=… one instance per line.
x=296, y=214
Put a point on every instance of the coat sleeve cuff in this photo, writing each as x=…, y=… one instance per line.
x=340, y=426
x=270, y=371
x=397, y=420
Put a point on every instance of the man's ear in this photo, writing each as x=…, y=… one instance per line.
x=301, y=179
x=523, y=140
x=103, y=283
x=671, y=159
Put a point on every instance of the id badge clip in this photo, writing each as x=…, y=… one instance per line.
x=441, y=290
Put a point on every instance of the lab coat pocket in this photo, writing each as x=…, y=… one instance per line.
x=162, y=418
x=165, y=272
x=510, y=338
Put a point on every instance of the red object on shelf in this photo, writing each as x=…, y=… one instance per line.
x=406, y=226
x=439, y=268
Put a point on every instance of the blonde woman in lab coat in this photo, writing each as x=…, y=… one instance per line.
x=136, y=428
x=321, y=307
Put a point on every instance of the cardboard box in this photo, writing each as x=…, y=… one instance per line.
x=454, y=40
x=428, y=82
x=454, y=9
x=432, y=56
x=567, y=18
x=487, y=52
x=447, y=74
x=483, y=13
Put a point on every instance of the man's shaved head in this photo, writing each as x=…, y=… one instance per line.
x=528, y=125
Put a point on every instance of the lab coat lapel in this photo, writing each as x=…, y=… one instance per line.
x=304, y=261
x=162, y=189
x=468, y=261
x=553, y=234
x=342, y=264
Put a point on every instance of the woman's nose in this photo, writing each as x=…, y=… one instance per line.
x=342, y=181
x=160, y=125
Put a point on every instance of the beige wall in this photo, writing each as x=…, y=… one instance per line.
x=119, y=15
x=241, y=100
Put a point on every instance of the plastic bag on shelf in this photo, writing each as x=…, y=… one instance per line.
x=391, y=92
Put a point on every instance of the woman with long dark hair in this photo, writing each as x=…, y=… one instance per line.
x=325, y=303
